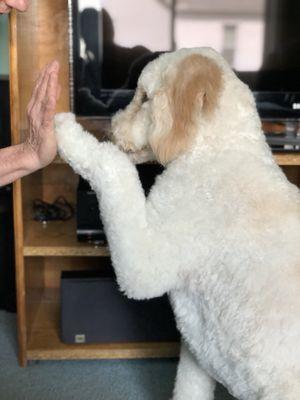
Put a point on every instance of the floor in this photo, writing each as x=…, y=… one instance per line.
x=82, y=380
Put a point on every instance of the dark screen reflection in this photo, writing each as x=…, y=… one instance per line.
x=108, y=72
x=259, y=38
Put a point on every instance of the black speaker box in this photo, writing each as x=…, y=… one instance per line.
x=93, y=310
x=89, y=224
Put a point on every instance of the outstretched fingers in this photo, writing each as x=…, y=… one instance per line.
x=44, y=95
x=36, y=89
x=49, y=103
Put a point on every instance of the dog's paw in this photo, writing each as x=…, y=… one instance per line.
x=65, y=125
x=69, y=136
x=63, y=119
x=68, y=132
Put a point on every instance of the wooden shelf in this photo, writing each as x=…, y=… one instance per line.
x=57, y=239
x=281, y=159
x=287, y=158
x=44, y=342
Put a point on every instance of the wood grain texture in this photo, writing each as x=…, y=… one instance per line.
x=287, y=158
x=55, y=265
x=17, y=192
x=57, y=239
x=36, y=37
x=281, y=159
x=42, y=37
x=45, y=272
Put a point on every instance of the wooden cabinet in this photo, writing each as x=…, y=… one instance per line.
x=42, y=252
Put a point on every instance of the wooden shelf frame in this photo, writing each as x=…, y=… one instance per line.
x=36, y=38
x=57, y=239
x=287, y=159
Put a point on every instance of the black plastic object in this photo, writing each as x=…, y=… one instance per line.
x=59, y=210
x=93, y=310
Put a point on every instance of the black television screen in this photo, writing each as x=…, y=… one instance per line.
x=113, y=40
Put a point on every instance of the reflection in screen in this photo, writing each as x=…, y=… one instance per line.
x=114, y=40
x=233, y=28
x=114, y=43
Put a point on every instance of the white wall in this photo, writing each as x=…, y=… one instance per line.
x=210, y=32
x=147, y=23
x=149, y=18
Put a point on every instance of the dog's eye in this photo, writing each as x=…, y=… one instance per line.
x=144, y=98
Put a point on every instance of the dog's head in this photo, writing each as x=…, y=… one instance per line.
x=174, y=94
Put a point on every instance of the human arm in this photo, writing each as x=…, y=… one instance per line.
x=40, y=147
x=15, y=162
x=7, y=5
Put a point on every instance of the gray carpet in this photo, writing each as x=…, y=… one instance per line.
x=82, y=380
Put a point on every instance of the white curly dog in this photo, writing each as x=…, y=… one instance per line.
x=219, y=231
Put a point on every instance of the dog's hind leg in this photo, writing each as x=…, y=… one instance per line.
x=192, y=382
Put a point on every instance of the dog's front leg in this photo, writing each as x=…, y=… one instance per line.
x=192, y=383
x=138, y=251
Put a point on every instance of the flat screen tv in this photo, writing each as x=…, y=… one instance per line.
x=113, y=40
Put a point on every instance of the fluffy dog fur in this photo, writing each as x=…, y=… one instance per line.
x=219, y=232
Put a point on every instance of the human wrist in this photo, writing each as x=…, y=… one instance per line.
x=17, y=161
x=29, y=159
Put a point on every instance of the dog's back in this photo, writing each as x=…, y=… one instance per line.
x=238, y=308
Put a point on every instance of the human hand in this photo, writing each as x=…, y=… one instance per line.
x=41, y=143
x=7, y=5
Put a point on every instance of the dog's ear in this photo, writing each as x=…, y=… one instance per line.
x=189, y=95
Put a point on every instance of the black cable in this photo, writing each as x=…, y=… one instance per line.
x=59, y=210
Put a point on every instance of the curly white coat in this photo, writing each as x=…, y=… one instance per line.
x=219, y=232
